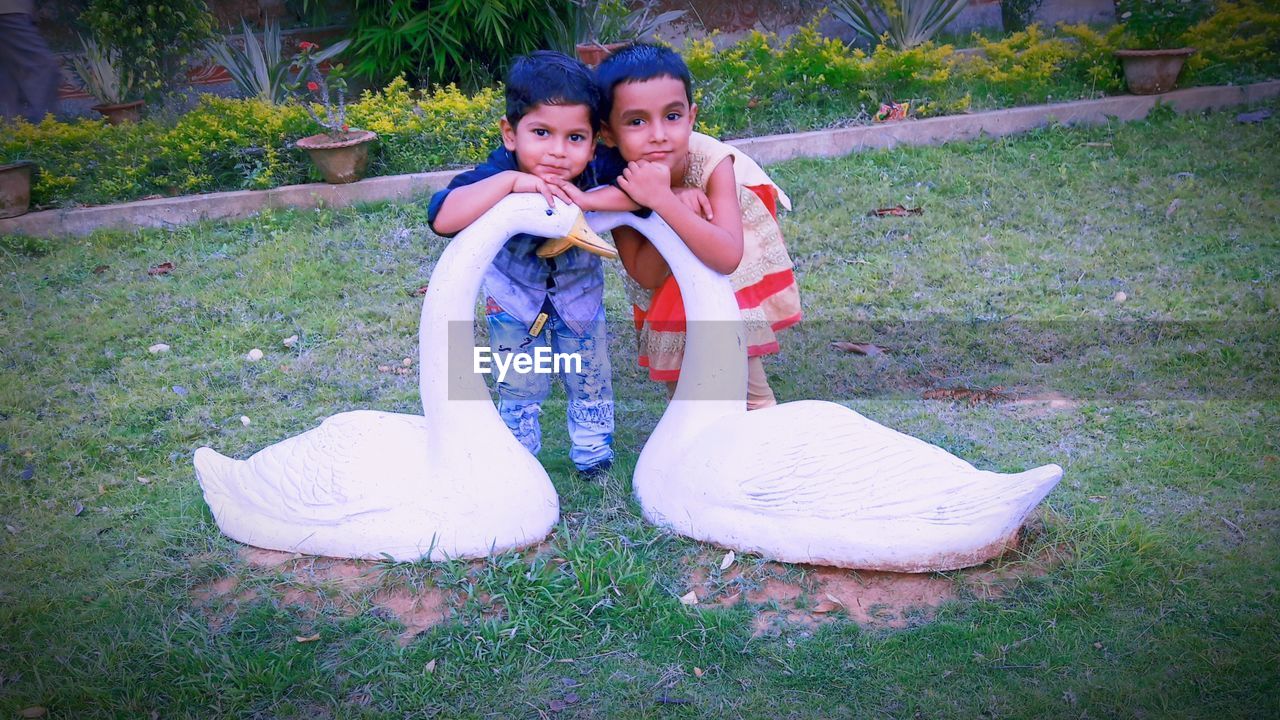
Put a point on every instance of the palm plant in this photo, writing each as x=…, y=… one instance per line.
x=260, y=70
x=907, y=22
x=608, y=21
x=103, y=73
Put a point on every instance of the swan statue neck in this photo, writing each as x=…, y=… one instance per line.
x=713, y=372
x=452, y=393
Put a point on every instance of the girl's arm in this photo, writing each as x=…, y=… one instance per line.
x=605, y=197
x=717, y=242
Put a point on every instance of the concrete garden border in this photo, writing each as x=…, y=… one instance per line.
x=168, y=212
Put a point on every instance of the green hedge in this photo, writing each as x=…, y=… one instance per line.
x=760, y=85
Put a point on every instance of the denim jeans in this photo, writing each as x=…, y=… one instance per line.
x=590, y=392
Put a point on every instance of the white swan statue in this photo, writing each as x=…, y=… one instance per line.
x=451, y=483
x=808, y=481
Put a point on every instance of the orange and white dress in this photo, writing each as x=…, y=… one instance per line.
x=764, y=283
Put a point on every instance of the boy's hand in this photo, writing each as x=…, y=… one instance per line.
x=695, y=200
x=646, y=182
x=524, y=182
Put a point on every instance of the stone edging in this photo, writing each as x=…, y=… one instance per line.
x=168, y=212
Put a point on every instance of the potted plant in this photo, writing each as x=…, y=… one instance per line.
x=15, y=188
x=597, y=29
x=340, y=152
x=1151, y=50
x=106, y=77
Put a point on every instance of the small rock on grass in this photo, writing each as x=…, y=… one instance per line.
x=244, y=420
x=158, y=348
x=254, y=355
x=1120, y=297
x=35, y=711
x=290, y=341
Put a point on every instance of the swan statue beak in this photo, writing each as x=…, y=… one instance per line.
x=580, y=236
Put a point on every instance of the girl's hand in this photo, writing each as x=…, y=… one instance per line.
x=646, y=182
x=524, y=182
x=576, y=195
x=695, y=200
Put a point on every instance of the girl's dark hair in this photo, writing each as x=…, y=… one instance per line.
x=636, y=63
x=544, y=77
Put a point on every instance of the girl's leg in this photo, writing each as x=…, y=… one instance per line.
x=589, y=392
x=520, y=395
x=759, y=394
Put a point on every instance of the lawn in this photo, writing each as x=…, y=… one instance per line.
x=1102, y=298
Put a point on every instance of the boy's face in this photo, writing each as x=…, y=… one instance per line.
x=551, y=140
x=652, y=120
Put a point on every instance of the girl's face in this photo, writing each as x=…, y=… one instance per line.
x=652, y=120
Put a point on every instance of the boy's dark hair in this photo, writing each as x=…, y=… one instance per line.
x=544, y=77
x=636, y=63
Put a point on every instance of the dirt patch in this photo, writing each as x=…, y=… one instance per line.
x=1045, y=403
x=806, y=596
x=315, y=584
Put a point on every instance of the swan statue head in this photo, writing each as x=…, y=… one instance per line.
x=450, y=483
x=808, y=481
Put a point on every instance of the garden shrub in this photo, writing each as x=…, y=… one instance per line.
x=1029, y=67
x=84, y=161
x=154, y=38
x=1239, y=43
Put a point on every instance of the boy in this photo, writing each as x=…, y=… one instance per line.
x=548, y=137
x=716, y=198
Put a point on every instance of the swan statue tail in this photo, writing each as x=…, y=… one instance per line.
x=218, y=475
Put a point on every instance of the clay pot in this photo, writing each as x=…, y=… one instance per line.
x=1149, y=72
x=15, y=188
x=342, y=159
x=593, y=54
x=121, y=112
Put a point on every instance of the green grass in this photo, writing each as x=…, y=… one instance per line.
x=1163, y=603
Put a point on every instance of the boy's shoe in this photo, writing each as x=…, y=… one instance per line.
x=596, y=472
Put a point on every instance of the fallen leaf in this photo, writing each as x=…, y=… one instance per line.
x=101, y=269
x=1097, y=646
x=180, y=391
x=253, y=355
x=307, y=639
x=557, y=705
x=430, y=666
x=697, y=672
x=835, y=599
x=158, y=348
x=163, y=268
x=891, y=112
x=12, y=530
x=896, y=211
x=419, y=292
x=77, y=509
x=28, y=472
x=35, y=711
x=571, y=698
x=1173, y=208
x=972, y=397
x=143, y=481
x=727, y=560
x=867, y=349
x=690, y=598
x=290, y=341
x=665, y=699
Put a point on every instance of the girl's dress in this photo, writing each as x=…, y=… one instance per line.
x=763, y=284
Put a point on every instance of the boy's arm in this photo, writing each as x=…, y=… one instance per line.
x=717, y=242
x=464, y=204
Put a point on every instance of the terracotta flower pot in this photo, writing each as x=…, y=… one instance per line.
x=593, y=54
x=1149, y=72
x=342, y=159
x=121, y=112
x=15, y=188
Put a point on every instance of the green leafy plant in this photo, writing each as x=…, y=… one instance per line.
x=465, y=41
x=103, y=72
x=605, y=22
x=1158, y=24
x=153, y=37
x=907, y=23
x=1238, y=43
x=1016, y=15
x=260, y=69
